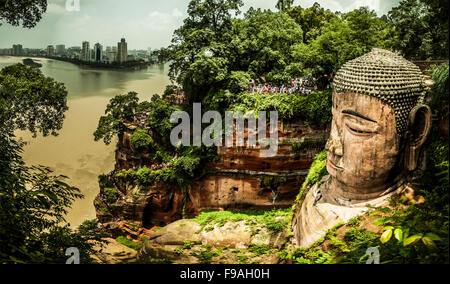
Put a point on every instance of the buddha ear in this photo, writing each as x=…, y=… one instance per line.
x=419, y=129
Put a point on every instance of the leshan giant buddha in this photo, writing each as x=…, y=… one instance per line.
x=379, y=126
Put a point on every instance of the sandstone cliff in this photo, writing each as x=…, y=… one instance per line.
x=240, y=179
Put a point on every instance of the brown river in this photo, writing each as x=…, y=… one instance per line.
x=74, y=153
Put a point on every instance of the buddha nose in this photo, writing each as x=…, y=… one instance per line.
x=334, y=146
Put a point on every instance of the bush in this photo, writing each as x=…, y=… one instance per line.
x=111, y=195
x=104, y=182
x=317, y=171
x=141, y=140
x=275, y=220
x=129, y=243
x=314, y=108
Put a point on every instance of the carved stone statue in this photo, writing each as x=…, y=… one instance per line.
x=379, y=126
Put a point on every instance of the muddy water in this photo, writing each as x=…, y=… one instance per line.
x=74, y=153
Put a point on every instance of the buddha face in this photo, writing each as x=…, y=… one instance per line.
x=364, y=147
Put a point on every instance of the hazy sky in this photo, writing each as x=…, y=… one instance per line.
x=144, y=23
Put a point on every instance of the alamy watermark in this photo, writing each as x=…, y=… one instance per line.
x=374, y=256
x=215, y=134
x=74, y=256
x=73, y=5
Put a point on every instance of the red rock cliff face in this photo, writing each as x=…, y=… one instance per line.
x=240, y=179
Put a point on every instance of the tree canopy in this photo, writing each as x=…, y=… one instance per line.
x=311, y=20
x=22, y=12
x=33, y=201
x=30, y=101
x=208, y=60
x=283, y=5
x=121, y=107
x=341, y=39
x=421, y=29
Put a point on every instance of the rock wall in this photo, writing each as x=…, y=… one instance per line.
x=241, y=179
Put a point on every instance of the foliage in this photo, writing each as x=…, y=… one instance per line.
x=342, y=39
x=22, y=12
x=262, y=44
x=211, y=59
x=170, y=90
x=318, y=169
x=311, y=19
x=421, y=29
x=111, y=195
x=205, y=256
x=435, y=178
x=181, y=172
x=206, y=22
x=30, y=101
x=272, y=182
x=33, y=201
x=121, y=107
x=440, y=91
x=274, y=220
x=258, y=250
x=316, y=172
x=141, y=140
x=188, y=245
x=159, y=116
x=330, y=249
x=283, y=5
x=104, y=181
x=314, y=108
x=129, y=243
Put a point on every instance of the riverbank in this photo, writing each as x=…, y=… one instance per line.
x=74, y=153
x=128, y=66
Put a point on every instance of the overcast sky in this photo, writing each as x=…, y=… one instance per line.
x=144, y=23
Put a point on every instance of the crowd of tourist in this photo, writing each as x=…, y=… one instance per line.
x=295, y=86
x=177, y=98
x=140, y=119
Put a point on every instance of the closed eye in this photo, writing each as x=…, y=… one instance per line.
x=357, y=131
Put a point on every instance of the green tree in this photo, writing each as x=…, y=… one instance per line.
x=33, y=201
x=283, y=5
x=31, y=101
x=311, y=20
x=205, y=25
x=421, y=29
x=121, y=107
x=22, y=12
x=159, y=117
x=213, y=69
x=262, y=45
x=342, y=39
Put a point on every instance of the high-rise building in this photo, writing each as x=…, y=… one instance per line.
x=98, y=52
x=50, y=50
x=60, y=49
x=122, y=51
x=92, y=58
x=112, y=56
x=85, y=51
x=17, y=49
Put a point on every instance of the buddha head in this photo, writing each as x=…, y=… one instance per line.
x=379, y=125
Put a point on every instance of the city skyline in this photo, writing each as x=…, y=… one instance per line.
x=144, y=23
x=96, y=53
